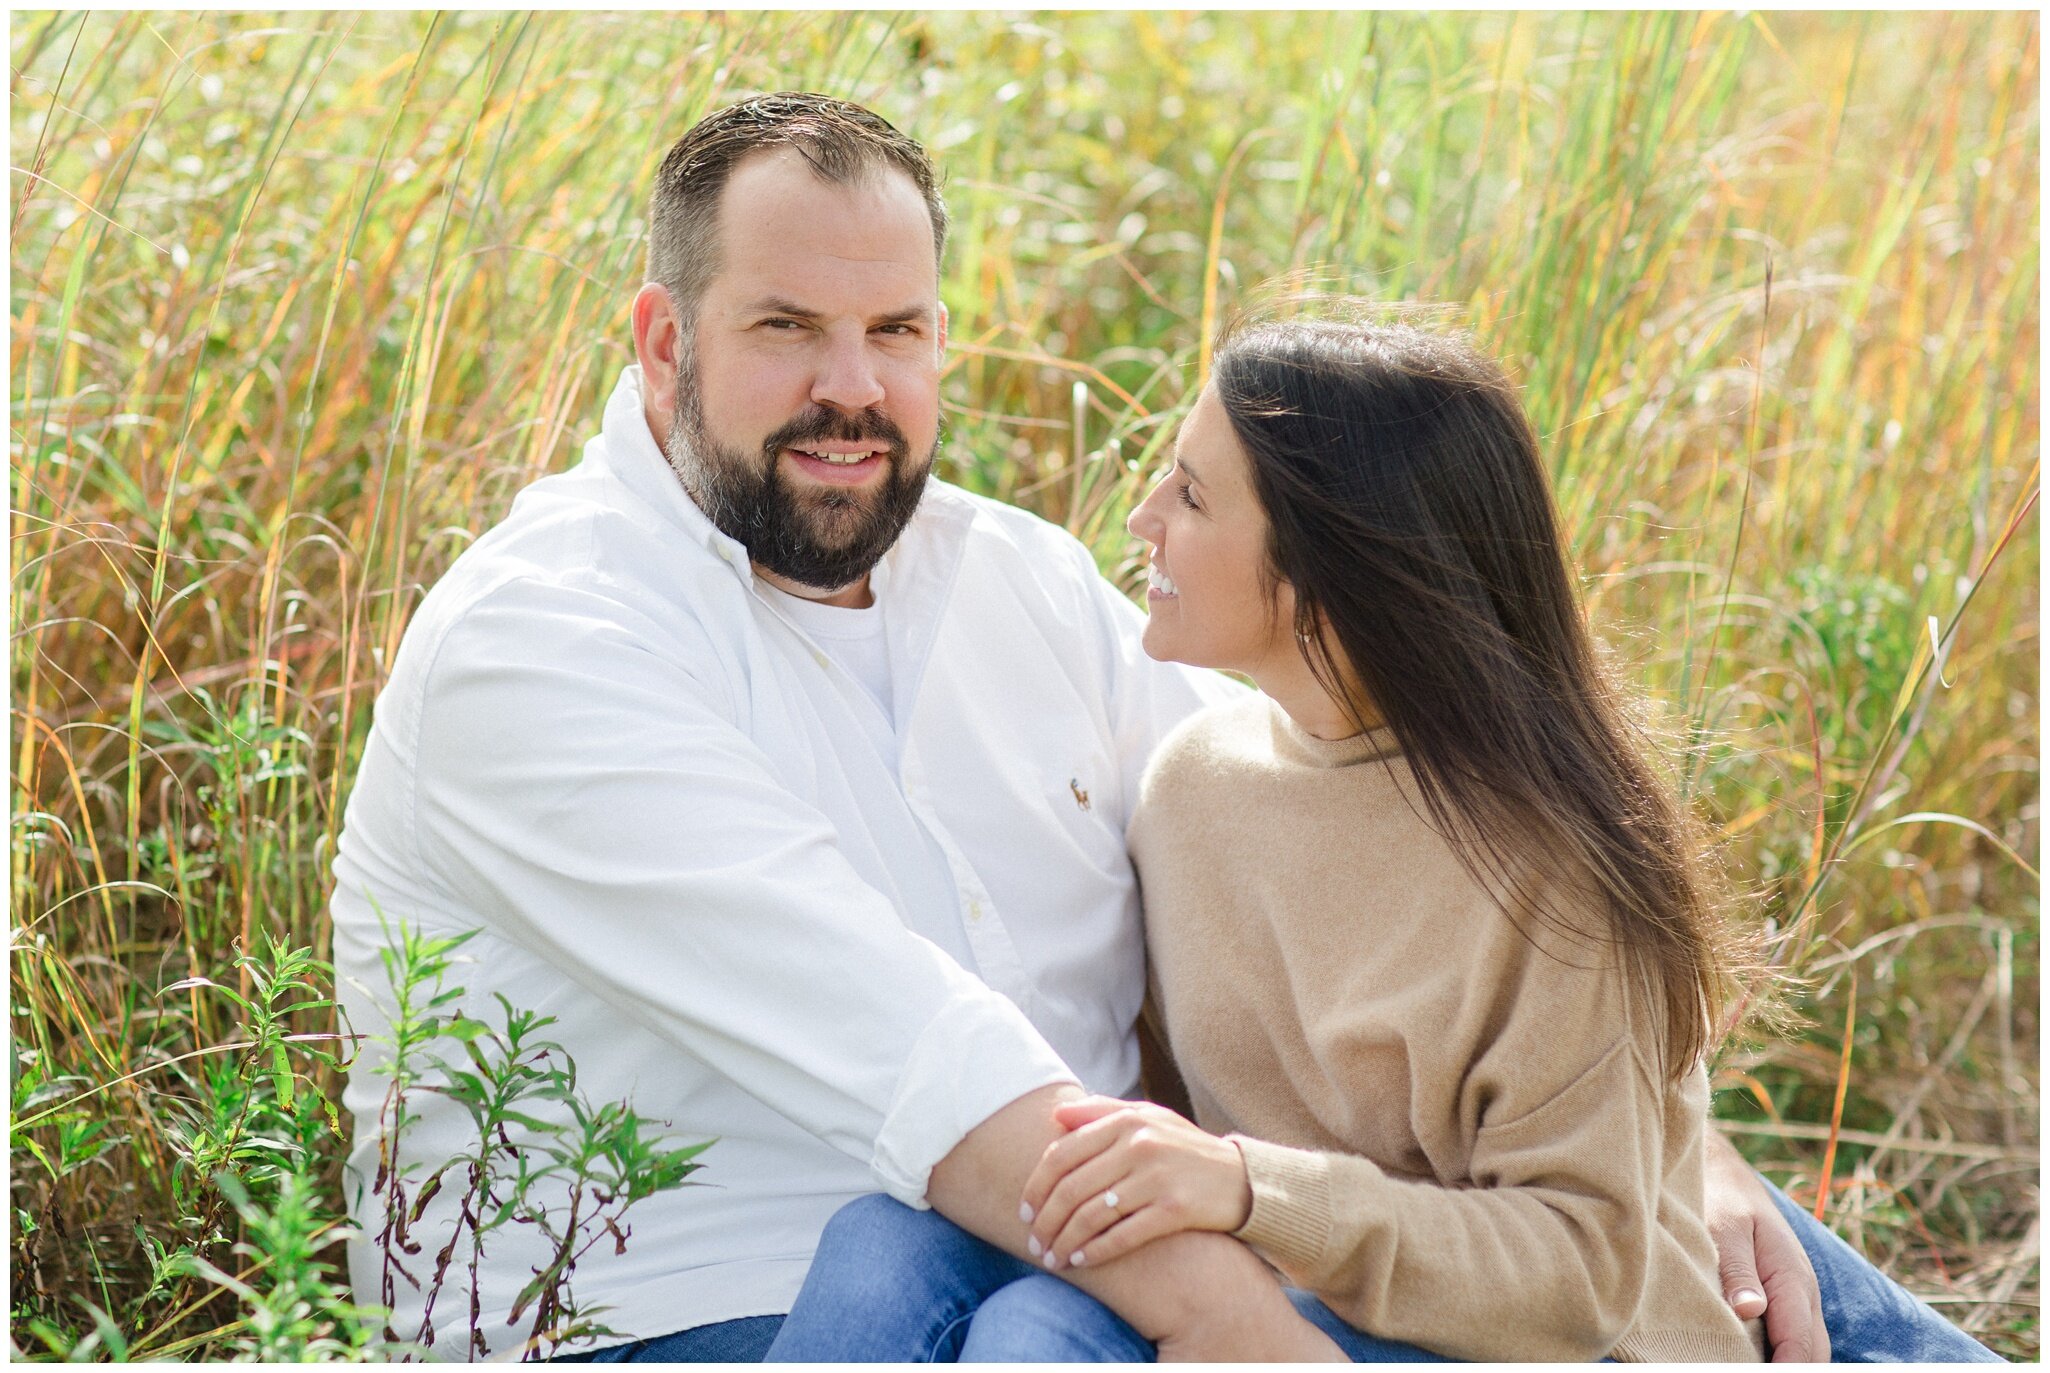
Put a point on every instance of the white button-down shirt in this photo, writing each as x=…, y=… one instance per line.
x=605, y=746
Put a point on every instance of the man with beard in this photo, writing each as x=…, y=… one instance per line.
x=742, y=760
x=792, y=783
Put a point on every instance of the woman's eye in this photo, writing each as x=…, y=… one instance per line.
x=1182, y=490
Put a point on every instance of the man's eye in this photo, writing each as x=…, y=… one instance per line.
x=785, y=324
x=897, y=329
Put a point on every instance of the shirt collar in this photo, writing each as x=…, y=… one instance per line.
x=632, y=456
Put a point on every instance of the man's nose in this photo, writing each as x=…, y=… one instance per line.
x=847, y=376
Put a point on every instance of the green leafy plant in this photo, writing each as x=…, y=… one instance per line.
x=292, y=1307
x=258, y=1215
x=544, y=1156
x=259, y=1116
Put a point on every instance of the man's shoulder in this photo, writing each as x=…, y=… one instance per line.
x=1020, y=557
x=572, y=565
x=992, y=525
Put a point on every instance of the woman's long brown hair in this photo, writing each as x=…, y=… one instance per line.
x=1411, y=515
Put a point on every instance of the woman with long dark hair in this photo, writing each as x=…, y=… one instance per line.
x=1432, y=942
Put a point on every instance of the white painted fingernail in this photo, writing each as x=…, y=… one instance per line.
x=1033, y=1246
x=1076, y=1258
x=1052, y=1261
x=1025, y=1212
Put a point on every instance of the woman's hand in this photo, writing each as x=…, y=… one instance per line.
x=1126, y=1173
x=1764, y=1269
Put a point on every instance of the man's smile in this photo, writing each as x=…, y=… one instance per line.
x=840, y=464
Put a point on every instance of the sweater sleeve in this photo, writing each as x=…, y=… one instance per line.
x=1545, y=1257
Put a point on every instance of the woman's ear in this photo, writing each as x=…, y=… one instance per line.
x=1313, y=632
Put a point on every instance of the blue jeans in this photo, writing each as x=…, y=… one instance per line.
x=741, y=1341
x=890, y=1284
x=1870, y=1317
x=894, y=1285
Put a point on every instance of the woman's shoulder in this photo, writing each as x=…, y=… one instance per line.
x=1200, y=773
x=1216, y=742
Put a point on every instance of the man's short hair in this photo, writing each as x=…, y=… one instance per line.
x=843, y=143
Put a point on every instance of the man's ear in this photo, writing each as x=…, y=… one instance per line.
x=658, y=343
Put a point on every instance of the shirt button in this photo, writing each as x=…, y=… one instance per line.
x=974, y=911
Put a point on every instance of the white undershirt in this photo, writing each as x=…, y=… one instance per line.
x=852, y=638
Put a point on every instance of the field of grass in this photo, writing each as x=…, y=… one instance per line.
x=298, y=302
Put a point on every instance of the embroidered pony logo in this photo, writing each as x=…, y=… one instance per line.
x=1081, y=796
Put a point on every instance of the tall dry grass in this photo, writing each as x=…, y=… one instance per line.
x=300, y=301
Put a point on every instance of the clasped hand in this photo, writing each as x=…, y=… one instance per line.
x=1125, y=1174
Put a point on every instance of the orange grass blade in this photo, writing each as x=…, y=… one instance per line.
x=1821, y=790
x=1754, y=1087
x=1836, y=1114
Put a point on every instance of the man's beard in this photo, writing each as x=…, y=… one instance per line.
x=826, y=537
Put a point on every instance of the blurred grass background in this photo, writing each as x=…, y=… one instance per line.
x=299, y=301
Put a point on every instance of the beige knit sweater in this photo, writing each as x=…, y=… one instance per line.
x=1455, y=1139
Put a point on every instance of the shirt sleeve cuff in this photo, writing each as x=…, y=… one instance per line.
x=1291, y=1217
x=977, y=1055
